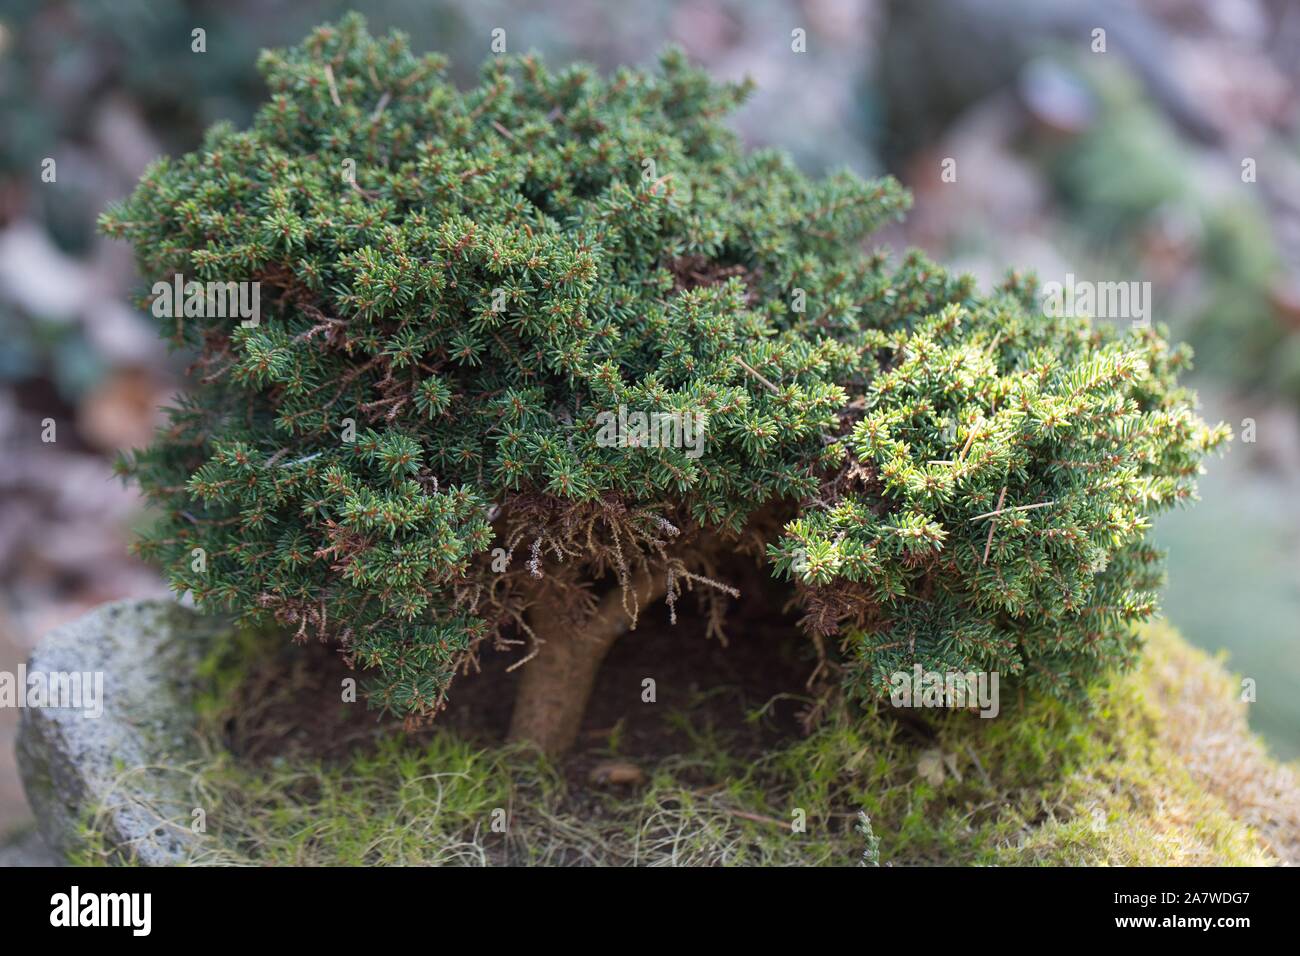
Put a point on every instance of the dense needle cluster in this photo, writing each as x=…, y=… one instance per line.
x=405, y=450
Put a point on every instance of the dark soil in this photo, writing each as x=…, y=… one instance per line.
x=293, y=708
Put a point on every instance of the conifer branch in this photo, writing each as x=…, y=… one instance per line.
x=507, y=343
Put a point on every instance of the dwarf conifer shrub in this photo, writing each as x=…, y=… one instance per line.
x=532, y=357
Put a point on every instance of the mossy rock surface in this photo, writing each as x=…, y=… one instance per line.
x=1162, y=770
x=117, y=775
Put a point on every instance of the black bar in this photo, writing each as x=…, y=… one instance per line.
x=213, y=906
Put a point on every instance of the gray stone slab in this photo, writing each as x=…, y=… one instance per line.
x=125, y=770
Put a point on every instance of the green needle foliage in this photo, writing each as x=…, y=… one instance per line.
x=455, y=285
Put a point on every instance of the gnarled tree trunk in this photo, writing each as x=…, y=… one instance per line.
x=556, y=684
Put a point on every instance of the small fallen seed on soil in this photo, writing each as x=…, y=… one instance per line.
x=616, y=772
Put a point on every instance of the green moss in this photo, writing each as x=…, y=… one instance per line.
x=1043, y=784
x=226, y=662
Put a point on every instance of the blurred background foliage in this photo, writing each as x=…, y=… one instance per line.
x=1120, y=165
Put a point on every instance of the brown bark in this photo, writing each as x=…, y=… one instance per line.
x=556, y=684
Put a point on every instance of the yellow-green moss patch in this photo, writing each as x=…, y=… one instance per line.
x=1161, y=771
